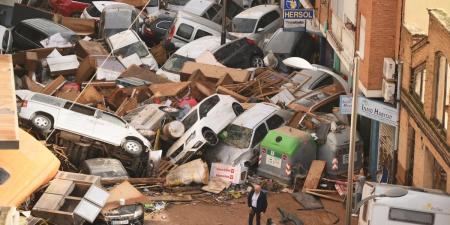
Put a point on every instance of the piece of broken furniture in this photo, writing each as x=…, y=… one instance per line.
x=71, y=199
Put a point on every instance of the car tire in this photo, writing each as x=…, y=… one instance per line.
x=42, y=122
x=133, y=147
x=256, y=61
x=237, y=109
x=210, y=137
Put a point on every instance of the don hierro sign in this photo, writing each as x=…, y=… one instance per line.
x=371, y=109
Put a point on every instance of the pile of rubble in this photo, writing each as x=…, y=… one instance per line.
x=131, y=138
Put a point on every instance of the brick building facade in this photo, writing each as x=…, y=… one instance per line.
x=424, y=152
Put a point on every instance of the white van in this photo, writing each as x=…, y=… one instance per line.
x=418, y=206
x=188, y=27
x=189, y=52
x=208, y=9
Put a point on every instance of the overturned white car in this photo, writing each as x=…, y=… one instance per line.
x=46, y=112
x=202, y=124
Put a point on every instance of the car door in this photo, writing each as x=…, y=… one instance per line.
x=109, y=128
x=77, y=118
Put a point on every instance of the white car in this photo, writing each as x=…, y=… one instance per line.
x=130, y=49
x=257, y=23
x=189, y=52
x=239, y=141
x=202, y=124
x=46, y=112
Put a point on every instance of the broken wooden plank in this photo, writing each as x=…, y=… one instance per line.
x=85, y=48
x=216, y=72
x=126, y=106
x=9, y=127
x=315, y=172
x=168, y=89
x=223, y=90
x=53, y=86
x=32, y=85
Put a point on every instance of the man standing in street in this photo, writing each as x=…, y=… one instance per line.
x=257, y=202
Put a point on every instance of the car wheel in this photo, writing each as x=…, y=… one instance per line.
x=42, y=122
x=238, y=110
x=210, y=137
x=133, y=147
x=256, y=61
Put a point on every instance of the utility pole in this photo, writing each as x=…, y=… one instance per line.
x=224, y=22
x=351, y=154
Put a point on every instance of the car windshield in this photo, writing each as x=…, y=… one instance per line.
x=175, y=63
x=137, y=47
x=243, y=25
x=237, y=136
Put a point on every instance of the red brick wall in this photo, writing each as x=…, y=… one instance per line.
x=381, y=29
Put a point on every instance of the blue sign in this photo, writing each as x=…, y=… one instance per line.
x=307, y=14
x=292, y=4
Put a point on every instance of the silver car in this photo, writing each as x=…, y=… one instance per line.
x=46, y=112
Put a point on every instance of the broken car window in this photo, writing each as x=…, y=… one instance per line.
x=80, y=109
x=201, y=33
x=47, y=99
x=207, y=105
x=237, y=136
x=243, y=25
x=185, y=31
x=112, y=119
x=175, y=63
x=260, y=133
x=274, y=122
x=137, y=47
x=190, y=120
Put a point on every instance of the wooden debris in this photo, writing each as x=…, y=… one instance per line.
x=169, y=89
x=9, y=128
x=53, y=86
x=144, y=180
x=126, y=106
x=85, y=48
x=315, y=172
x=224, y=90
x=325, y=196
x=216, y=72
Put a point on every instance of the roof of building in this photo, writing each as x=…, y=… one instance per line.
x=442, y=16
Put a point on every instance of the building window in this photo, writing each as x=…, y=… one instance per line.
x=362, y=36
x=418, y=83
x=441, y=90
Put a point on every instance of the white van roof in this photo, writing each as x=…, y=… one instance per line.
x=255, y=114
x=257, y=11
x=198, y=19
x=100, y=5
x=197, y=7
x=197, y=47
x=416, y=199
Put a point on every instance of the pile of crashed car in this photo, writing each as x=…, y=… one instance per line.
x=145, y=90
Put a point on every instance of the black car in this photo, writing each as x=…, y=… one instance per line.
x=153, y=31
x=240, y=53
x=28, y=34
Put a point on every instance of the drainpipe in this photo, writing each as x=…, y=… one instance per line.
x=397, y=128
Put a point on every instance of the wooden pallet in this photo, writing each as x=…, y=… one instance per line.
x=165, y=167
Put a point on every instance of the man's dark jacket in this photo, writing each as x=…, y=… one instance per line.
x=261, y=204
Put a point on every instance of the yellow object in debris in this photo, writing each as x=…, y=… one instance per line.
x=24, y=170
